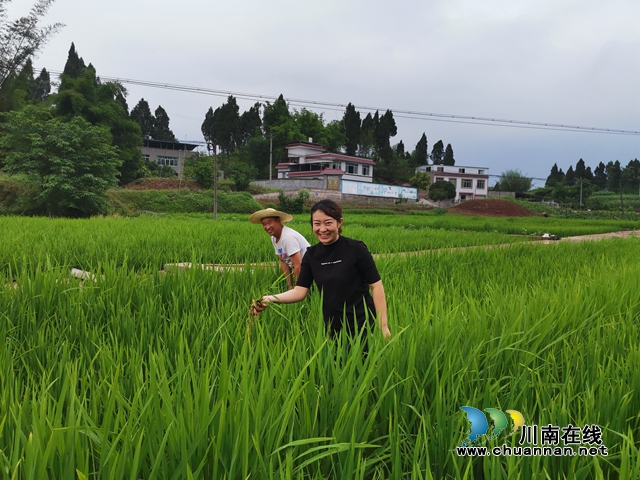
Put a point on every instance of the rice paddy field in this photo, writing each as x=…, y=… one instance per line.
x=142, y=374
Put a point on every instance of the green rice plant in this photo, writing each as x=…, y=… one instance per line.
x=138, y=374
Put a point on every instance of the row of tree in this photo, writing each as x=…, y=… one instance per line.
x=612, y=176
x=249, y=140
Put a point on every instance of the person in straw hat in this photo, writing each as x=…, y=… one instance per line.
x=289, y=245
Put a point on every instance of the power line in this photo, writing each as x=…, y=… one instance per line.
x=409, y=114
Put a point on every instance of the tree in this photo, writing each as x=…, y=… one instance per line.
x=22, y=38
x=448, y=156
x=570, y=177
x=41, y=86
x=581, y=170
x=161, y=130
x=141, y=113
x=442, y=190
x=71, y=163
x=437, y=153
x=351, y=125
x=250, y=123
x=421, y=153
x=555, y=176
x=241, y=174
x=514, y=181
x=275, y=114
x=420, y=180
x=614, y=179
x=367, y=140
x=630, y=175
x=385, y=129
x=100, y=104
x=199, y=167
x=75, y=64
x=400, y=149
x=600, y=176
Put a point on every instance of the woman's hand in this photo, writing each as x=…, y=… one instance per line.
x=386, y=333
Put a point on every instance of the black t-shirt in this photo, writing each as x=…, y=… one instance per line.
x=343, y=272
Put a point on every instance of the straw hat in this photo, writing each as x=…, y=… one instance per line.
x=269, y=212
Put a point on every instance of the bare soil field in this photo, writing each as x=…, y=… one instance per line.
x=490, y=208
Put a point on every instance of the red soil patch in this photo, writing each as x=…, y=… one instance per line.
x=163, y=184
x=490, y=208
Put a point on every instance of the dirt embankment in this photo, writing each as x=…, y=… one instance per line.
x=490, y=208
x=163, y=184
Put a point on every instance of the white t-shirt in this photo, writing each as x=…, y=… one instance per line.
x=291, y=242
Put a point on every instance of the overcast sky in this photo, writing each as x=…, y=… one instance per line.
x=571, y=62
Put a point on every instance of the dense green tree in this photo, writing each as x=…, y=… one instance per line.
x=448, y=156
x=22, y=38
x=275, y=114
x=630, y=176
x=556, y=176
x=75, y=64
x=351, y=125
x=385, y=129
x=400, y=149
x=161, y=130
x=41, y=86
x=141, y=113
x=207, y=126
x=420, y=180
x=242, y=174
x=367, y=140
x=600, y=176
x=581, y=169
x=226, y=126
x=437, y=153
x=256, y=154
x=250, y=123
x=514, y=181
x=199, y=167
x=71, y=163
x=570, y=177
x=421, y=153
x=15, y=91
x=442, y=190
x=614, y=176
x=98, y=103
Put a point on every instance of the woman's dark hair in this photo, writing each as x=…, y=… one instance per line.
x=329, y=208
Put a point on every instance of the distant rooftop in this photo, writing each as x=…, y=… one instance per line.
x=171, y=145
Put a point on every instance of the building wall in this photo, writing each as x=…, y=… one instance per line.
x=166, y=156
x=288, y=184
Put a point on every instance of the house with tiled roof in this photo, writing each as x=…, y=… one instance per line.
x=308, y=160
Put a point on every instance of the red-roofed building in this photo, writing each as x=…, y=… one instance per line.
x=306, y=160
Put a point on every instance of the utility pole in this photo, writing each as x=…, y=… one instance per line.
x=270, y=157
x=211, y=145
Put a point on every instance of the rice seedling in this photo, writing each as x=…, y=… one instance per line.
x=145, y=375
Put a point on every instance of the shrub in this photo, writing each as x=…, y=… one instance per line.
x=291, y=204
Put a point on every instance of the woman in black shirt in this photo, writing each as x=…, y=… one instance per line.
x=344, y=272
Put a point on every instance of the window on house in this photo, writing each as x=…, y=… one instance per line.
x=480, y=184
x=165, y=160
x=461, y=170
x=480, y=172
x=440, y=169
x=365, y=170
x=428, y=169
x=453, y=181
x=145, y=156
x=352, y=168
x=467, y=183
x=439, y=179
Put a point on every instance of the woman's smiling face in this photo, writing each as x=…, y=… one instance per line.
x=325, y=228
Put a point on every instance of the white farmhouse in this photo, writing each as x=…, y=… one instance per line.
x=470, y=182
x=307, y=160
